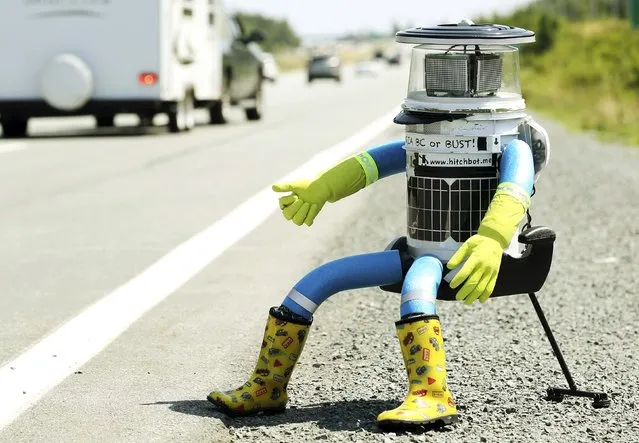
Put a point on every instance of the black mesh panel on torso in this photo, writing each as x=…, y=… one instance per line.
x=438, y=210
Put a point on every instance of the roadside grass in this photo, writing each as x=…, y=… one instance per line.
x=589, y=80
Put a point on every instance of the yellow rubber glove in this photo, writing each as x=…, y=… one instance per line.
x=479, y=273
x=484, y=250
x=308, y=197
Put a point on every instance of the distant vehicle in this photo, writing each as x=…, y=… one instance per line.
x=368, y=68
x=395, y=59
x=325, y=66
x=242, y=73
x=103, y=58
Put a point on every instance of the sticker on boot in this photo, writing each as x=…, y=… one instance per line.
x=431, y=380
x=420, y=402
x=260, y=392
x=410, y=338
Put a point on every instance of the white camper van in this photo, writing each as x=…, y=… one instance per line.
x=103, y=57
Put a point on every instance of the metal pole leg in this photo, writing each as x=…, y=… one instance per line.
x=600, y=399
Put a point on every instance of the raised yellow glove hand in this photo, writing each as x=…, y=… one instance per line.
x=308, y=197
x=306, y=200
x=479, y=273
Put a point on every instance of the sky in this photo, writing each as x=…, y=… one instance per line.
x=336, y=17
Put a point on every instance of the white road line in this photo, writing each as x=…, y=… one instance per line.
x=12, y=147
x=26, y=379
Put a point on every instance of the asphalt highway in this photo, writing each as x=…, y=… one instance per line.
x=89, y=215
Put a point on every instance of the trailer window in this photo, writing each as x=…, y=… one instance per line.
x=187, y=12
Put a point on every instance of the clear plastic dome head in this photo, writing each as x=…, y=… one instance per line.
x=464, y=67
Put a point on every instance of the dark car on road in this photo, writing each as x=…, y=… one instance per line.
x=324, y=66
x=242, y=74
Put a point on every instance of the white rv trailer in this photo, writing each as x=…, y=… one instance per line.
x=103, y=57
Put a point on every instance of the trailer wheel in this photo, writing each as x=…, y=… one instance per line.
x=219, y=111
x=14, y=127
x=105, y=121
x=189, y=112
x=255, y=112
x=146, y=120
x=177, y=118
x=183, y=117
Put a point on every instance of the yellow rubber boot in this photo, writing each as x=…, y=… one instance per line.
x=265, y=390
x=429, y=403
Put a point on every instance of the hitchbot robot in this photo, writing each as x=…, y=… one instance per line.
x=471, y=156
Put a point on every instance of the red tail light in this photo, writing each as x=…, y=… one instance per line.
x=148, y=78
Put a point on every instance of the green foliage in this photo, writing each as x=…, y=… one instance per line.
x=589, y=79
x=278, y=33
x=545, y=24
x=576, y=10
x=549, y=26
x=546, y=17
x=582, y=71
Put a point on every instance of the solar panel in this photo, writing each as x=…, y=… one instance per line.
x=438, y=210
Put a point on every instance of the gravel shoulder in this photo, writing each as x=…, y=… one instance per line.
x=499, y=360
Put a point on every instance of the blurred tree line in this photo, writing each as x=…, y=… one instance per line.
x=278, y=33
x=584, y=67
x=576, y=10
x=546, y=17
